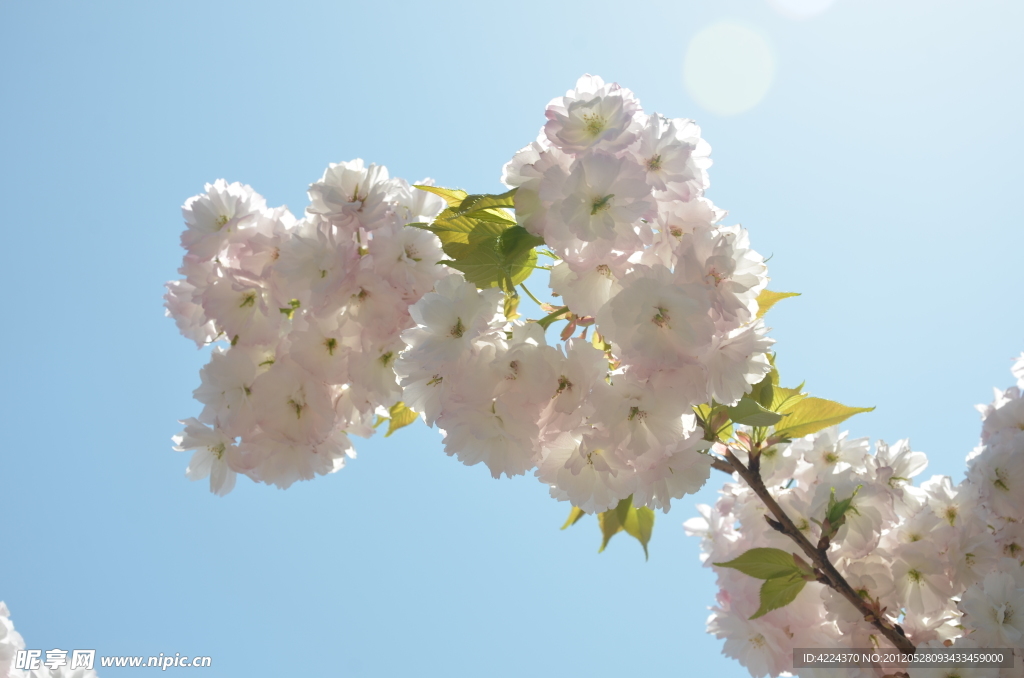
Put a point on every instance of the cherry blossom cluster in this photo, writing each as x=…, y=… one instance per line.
x=942, y=560
x=617, y=196
x=306, y=315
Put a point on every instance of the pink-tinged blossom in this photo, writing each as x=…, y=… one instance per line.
x=603, y=197
x=281, y=462
x=675, y=475
x=994, y=611
x=582, y=368
x=720, y=259
x=760, y=646
x=324, y=347
x=828, y=452
x=242, y=311
x=352, y=192
x=226, y=388
x=594, y=115
x=449, y=320
x=646, y=420
x=897, y=464
x=998, y=475
x=580, y=467
x=216, y=455
x=586, y=287
x=316, y=265
x=922, y=585
x=539, y=173
x=736, y=361
x=216, y=216
x=188, y=315
x=674, y=156
x=655, y=323
x=292, y=405
x=492, y=433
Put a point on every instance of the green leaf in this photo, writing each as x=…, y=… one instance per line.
x=764, y=563
x=452, y=196
x=636, y=522
x=814, y=414
x=639, y=524
x=574, y=517
x=474, y=203
x=779, y=592
x=486, y=245
x=515, y=241
x=486, y=267
x=763, y=391
x=751, y=413
x=784, y=399
x=610, y=526
x=497, y=216
x=401, y=416
x=766, y=299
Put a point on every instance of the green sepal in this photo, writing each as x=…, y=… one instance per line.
x=836, y=512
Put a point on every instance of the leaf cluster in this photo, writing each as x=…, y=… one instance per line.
x=483, y=240
x=784, y=575
x=637, y=522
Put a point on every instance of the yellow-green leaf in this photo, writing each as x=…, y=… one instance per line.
x=766, y=299
x=811, y=415
x=574, y=517
x=610, y=526
x=452, y=196
x=474, y=203
x=779, y=592
x=751, y=413
x=763, y=563
x=785, y=399
x=639, y=524
x=401, y=416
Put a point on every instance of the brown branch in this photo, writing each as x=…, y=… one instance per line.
x=829, y=574
x=721, y=464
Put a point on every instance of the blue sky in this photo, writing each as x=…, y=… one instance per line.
x=881, y=170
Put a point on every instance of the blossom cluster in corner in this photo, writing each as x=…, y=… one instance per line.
x=942, y=559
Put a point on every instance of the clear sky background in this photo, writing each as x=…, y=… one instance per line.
x=881, y=169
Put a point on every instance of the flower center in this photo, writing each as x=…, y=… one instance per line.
x=595, y=123
x=601, y=204
x=661, y=318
